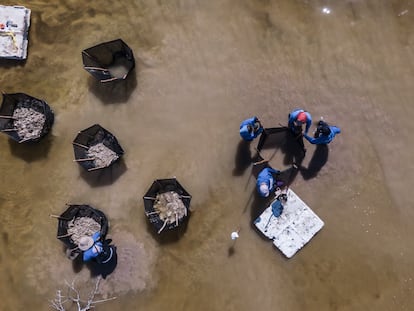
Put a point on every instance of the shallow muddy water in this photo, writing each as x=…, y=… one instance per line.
x=201, y=68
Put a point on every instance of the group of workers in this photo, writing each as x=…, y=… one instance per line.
x=323, y=135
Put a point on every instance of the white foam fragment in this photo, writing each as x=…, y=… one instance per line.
x=14, y=28
x=293, y=228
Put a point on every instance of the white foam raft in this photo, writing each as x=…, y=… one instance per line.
x=14, y=29
x=293, y=228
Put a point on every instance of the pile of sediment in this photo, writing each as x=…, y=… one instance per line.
x=102, y=155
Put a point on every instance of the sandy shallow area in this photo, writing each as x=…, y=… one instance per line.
x=201, y=68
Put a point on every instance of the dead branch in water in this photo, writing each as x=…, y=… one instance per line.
x=73, y=297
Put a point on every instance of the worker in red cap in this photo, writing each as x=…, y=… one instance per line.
x=297, y=118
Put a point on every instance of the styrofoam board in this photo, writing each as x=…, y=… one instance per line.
x=295, y=227
x=14, y=38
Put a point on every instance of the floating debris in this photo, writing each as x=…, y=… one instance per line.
x=326, y=11
x=403, y=13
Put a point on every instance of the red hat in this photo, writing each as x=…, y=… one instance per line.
x=302, y=117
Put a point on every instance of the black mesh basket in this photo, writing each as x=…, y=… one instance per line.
x=160, y=186
x=109, y=61
x=89, y=137
x=21, y=100
x=77, y=211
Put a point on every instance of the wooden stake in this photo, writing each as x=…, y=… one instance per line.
x=80, y=145
x=8, y=117
x=59, y=217
x=96, y=68
x=23, y=140
x=163, y=226
x=108, y=80
x=96, y=168
x=64, y=235
x=85, y=159
x=260, y=162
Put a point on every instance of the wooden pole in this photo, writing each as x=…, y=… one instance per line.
x=95, y=68
x=109, y=80
x=7, y=117
x=26, y=139
x=260, y=162
x=58, y=217
x=96, y=168
x=80, y=145
x=85, y=159
x=64, y=235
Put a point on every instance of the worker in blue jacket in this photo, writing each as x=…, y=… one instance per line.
x=324, y=134
x=95, y=249
x=250, y=128
x=297, y=118
x=265, y=181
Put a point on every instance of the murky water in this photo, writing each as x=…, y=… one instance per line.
x=202, y=67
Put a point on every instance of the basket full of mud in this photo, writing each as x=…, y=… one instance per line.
x=166, y=204
x=79, y=221
x=109, y=61
x=25, y=118
x=96, y=148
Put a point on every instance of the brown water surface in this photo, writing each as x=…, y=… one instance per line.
x=202, y=67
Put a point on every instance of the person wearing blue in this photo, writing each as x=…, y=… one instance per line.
x=94, y=250
x=324, y=134
x=250, y=128
x=265, y=181
x=297, y=118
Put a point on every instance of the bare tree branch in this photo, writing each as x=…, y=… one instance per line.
x=73, y=297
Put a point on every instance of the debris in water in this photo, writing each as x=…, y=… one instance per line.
x=403, y=13
x=326, y=11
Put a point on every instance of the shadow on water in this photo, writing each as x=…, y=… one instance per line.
x=169, y=236
x=106, y=176
x=280, y=138
x=113, y=92
x=319, y=159
x=31, y=151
